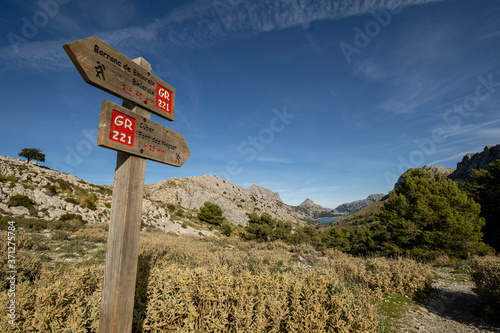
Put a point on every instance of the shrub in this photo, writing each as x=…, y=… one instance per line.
x=179, y=213
x=103, y=189
x=307, y=234
x=68, y=222
x=72, y=201
x=20, y=200
x=211, y=213
x=86, y=199
x=24, y=241
x=265, y=228
x=485, y=273
x=12, y=179
x=27, y=223
x=28, y=268
x=71, y=217
x=28, y=186
x=65, y=185
x=216, y=300
x=60, y=301
x=226, y=229
x=59, y=235
x=97, y=232
x=51, y=189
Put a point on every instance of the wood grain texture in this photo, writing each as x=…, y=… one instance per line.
x=105, y=68
x=117, y=303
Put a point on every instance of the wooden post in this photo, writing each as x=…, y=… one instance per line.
x=117, y=303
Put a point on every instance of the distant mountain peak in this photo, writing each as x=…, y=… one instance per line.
x=352, y=207
x=313, y=210
x=309, y=203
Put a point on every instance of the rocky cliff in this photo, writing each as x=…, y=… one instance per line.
x=480, y=160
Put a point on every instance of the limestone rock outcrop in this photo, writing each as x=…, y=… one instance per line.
x=235, y=201
x=480, y=160
x=264, y=192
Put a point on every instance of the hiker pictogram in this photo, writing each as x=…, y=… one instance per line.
x=100, y=71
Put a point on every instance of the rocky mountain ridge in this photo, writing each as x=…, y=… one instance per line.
x=265, y=192
x=169, y=205
x=480, y=160
x=53, y=194
x=235, y=201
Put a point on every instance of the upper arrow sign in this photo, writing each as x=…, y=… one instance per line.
x=103, y=67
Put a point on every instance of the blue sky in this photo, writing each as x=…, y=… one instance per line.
x=327, y=100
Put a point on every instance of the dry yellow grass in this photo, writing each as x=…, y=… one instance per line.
x=205, y=285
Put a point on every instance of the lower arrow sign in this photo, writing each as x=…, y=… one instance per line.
x=124, y=130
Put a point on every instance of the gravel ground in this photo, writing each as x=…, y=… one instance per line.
x=452, y=308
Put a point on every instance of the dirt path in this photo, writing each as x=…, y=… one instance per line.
x=453, y=308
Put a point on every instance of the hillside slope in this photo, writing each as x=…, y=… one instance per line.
x=171, y=205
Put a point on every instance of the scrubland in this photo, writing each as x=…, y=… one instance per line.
x=189, y=284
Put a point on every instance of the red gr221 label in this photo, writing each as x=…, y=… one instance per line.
x=163, y=98
x=122, y=129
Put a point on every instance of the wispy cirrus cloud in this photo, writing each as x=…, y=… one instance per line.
x=491, y=35
x=370, y=70
x=199, y=24
x=273, y=160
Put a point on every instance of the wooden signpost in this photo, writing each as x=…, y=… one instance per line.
x=128, y=130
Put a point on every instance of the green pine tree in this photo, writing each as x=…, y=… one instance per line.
x=428, y=215
x=211, y=213
x=486, y=191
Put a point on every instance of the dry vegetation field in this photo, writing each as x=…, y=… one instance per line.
x=189, y=284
